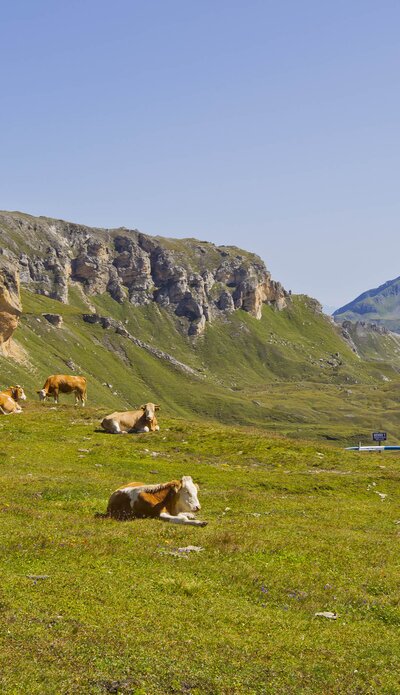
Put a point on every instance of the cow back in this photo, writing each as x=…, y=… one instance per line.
x=128, y=419
x=65, y=383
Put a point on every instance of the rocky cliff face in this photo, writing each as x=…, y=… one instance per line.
x=194, y=279
x=10, y=304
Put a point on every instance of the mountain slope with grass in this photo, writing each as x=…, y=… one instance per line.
x=277, y=362
x=380, y=306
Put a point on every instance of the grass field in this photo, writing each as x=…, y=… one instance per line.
x=295, y=528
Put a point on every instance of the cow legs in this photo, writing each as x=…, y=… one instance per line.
x=181, y=519
x=115, y=428
x=55, y=394
x=79, y=398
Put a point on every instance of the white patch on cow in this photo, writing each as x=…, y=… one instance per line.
x=145, y=429
x=42, y=395
x=22, y=396
x=133, y=493
x=187, y=499
x=115, y=428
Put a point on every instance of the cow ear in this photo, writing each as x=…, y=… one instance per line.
x=177, y=484
x=156, y=407
x=142, y=407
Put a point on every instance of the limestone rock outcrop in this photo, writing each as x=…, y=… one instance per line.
x=10, y=303
x=196, y=280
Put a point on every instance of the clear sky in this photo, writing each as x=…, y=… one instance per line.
x=270, y=125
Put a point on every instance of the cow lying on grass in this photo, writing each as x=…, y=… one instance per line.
x=143, y=420
x=9, y=400
x=64, y=383
x=176, y=501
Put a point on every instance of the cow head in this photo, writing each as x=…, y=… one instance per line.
x=18, y=393
x=149, y=411
x=187, y=499
x=42, y=394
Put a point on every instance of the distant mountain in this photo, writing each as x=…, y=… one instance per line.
x=380, y=306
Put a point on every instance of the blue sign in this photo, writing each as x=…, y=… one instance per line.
x=379, y=436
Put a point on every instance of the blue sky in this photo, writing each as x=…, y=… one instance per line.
x=273, y=126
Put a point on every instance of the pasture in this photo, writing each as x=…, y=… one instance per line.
x=98, y=606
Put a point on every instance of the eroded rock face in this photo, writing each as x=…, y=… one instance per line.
x=251, y=294
x=10, y=303
x=195, y=280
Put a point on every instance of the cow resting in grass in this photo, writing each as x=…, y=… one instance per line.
x=64, y=383
x=9, y=400
x=143, y=420
x=175, y=501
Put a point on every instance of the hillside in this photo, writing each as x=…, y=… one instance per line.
x=209, y=335
x=380, y=306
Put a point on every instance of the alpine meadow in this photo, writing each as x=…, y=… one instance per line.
x=293, y=584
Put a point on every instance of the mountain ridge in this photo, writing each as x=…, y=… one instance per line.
x=379, y=305
x=196, y=279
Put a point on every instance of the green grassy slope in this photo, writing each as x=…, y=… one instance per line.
x=373, y=344
x=279, y=373
x=294, y=529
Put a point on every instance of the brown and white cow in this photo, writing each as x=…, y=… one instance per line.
x=9, y=400
x=143, y=420
x=175, y=501
x=64, y=383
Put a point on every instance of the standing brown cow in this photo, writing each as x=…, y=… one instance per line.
x=64, y=383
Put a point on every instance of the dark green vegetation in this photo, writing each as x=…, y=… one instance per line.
x=97, y=606
x=380, y=305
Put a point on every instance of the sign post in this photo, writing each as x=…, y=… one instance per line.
x=379, y=436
